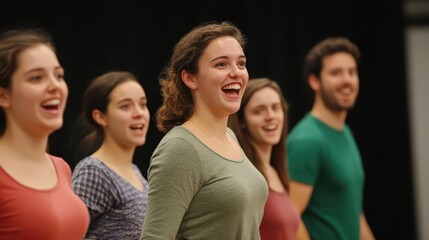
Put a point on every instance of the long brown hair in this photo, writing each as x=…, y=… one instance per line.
x=97, y=96
x=237, y=120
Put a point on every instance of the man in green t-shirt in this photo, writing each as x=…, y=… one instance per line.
x=327, y=176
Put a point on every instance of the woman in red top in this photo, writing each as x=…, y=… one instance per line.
x=36, y=199
x=261, y=128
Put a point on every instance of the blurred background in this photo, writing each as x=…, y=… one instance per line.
x=392, y=111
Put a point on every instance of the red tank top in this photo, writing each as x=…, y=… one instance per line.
x=281, y=218
x=55, y=213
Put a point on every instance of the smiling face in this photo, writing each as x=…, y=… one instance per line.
x=264, y=117
x=339, y=82
x=222, y=76
x=126, y=120
x=37, y=97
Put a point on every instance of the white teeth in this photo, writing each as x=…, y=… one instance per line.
x=52, y=102
x=346, y=90
x=270, y=127
x=138, y=126
x=235, y=86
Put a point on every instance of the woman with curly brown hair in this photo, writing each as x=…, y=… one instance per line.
x=202, y=186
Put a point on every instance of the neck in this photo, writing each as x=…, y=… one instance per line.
x=264, y=152
x=113, y=154
x=334, y=119
x=214, y=128
x=24, y=145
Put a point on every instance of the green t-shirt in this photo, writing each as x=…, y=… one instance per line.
x=328, y=160
x=195, y=193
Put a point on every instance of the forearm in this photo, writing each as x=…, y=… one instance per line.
x=365, y=230
x=302, y=233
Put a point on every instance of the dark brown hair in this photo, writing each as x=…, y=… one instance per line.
x=97, y=96
x=314, y=58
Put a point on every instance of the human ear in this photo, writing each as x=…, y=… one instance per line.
x=188, y=79
x=314, y=82
x=99, y=117
x=4, y=98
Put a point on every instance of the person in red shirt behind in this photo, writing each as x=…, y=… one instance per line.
x=261, y=128
x=36, y=199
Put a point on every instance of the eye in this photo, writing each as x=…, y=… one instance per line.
x=220, y=64
x=36, y=78
x=277, y=107
x=60, y=76
x=242, y=64
x=143, y=105
x=353, y=72
x=257, y=111
x=336, y=72
x=124, y=106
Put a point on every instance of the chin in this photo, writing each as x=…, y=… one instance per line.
x=54, y=126
x=273, y=140
x=234, y=109
x=140, y=142
x=347, y=106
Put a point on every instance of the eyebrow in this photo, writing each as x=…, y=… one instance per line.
x=268, y=105
x=42, y=69
x=129, y=99
x=223, y=57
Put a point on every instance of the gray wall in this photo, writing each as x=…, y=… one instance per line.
x=417, y=53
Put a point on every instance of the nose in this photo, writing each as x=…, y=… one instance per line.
x=138, y=111
x=235, y=72
x=349, y=76
x=54, y=83
x=269, y=114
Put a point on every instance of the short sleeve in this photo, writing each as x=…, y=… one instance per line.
x=91, y=184
x=304, y=159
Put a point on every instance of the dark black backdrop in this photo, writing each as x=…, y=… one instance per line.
x=139, y=38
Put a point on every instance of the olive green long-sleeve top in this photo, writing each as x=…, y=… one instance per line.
x=197, y=194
